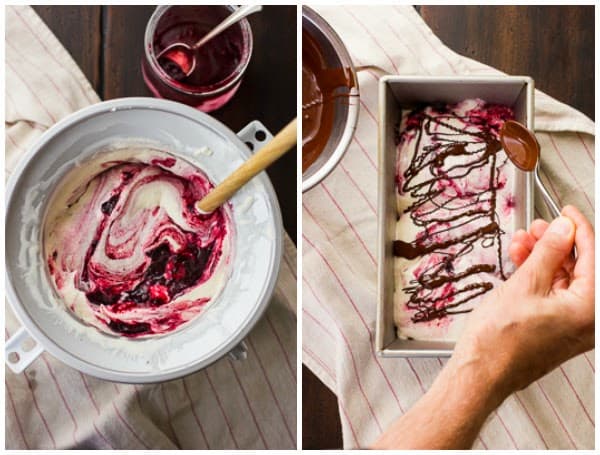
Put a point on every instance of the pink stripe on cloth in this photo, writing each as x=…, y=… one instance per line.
x=349, y=422
x=355, y=185
x=575, y=179
x=516, y=395
x=89, y=393
x=13, y=142
x=14, y=409
x=169, y=420
x=558, y=418
x=138, y=398
x=287, y=426
x=317, y=322
x=355, y=139
x=46, y=73
x=131, y=430
x=587, y=150
x=254, y=419
x=281, y=346
x=506, y=429
x=62, y=396
x=41, y=41
x=366, y=29
x=358, y=237
x=102, y=436
x=417, y=58
x=32, y=92
x=366, y=108
x=321, y=363
x=35, y=403
x=418, y=29
x=196, y=418
x=221, y=408
x=577, y=396
x=357, y=311
x=354, y=365
x=359, y=315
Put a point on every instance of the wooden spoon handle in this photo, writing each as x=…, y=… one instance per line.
x=280, y=144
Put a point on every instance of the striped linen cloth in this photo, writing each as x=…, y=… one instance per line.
x=339, y=254
x=247, y=404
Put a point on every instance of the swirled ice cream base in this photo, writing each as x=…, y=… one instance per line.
x=185, y=307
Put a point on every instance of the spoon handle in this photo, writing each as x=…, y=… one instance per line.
x=238, y=14
x=546, y=194
x=280, y=144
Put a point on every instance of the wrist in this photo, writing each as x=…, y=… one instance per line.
x=471, y=381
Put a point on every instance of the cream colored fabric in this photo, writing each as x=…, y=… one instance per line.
x=339, y=254
x=247, y=404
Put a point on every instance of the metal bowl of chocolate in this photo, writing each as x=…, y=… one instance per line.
x=329, y=99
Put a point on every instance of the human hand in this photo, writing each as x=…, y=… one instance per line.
x=542, y=315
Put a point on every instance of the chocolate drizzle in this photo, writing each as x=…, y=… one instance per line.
x=452, y=219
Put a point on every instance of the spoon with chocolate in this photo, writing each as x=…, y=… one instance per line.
x=180, y=57
x=523, y=149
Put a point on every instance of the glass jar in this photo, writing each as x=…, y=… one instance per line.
x=220, y=63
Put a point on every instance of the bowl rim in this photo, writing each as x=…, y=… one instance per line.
x=265, y=294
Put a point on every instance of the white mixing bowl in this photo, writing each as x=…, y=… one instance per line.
x=256, y=255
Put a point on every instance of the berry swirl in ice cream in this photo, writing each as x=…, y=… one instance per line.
x=127, y=251
x=456, y=207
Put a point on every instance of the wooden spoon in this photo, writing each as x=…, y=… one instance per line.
x=280, y=144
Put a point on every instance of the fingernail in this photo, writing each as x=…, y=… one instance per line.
x=561, y=226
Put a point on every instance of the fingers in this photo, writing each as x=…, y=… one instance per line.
x=583, y=273
x=537, y=229
x=518, y=253
x=550, y=252
x=522, y=242
x=520, y=247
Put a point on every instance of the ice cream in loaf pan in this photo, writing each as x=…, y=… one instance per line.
x=456, y=208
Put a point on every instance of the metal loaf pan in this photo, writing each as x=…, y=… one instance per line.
x=403, y=92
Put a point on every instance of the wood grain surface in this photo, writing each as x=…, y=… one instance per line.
x=107, y=44
x=552, y=44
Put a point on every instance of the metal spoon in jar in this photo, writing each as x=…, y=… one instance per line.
x=523, y=149
x=184, y=56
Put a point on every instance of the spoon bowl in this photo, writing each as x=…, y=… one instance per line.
x=179, y=59
x=520, y=144
x=523, y=149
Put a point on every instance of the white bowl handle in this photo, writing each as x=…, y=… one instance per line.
x=15, y=356
x=248, y=135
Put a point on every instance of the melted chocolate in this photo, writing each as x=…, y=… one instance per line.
x=436, y=291
x=321, y=85
x=520, y=145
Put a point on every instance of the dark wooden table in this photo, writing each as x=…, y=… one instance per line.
x=552, y=44
x=107, y=44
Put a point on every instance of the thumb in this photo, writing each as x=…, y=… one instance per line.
x=550, y=251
